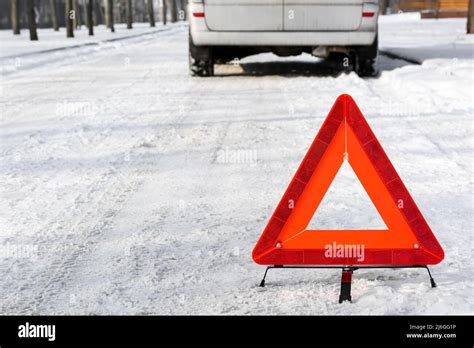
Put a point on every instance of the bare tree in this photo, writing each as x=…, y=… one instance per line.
x=89, y=17
x=106, y=13
x=129, y=13
x=383, y=6
x=77, y=14
x=69, y=18
x=15, y=16
x=151, y=12
x=470, y=17
x=119, y=13
x=174, y=11
x=30, y=8
x=183, y=5
x=54, y=15
x=99, y=18
x=110, y=13
x=394, y=5
x=163, y=11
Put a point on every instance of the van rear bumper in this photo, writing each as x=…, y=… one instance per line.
x=222, y=38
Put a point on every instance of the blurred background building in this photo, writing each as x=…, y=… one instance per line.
x=428, y=8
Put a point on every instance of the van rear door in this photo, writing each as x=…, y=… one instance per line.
x=322, y=15
x=244, y=15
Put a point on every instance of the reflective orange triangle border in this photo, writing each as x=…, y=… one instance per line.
x=345, y=135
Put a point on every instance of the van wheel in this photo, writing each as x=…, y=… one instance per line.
x=201, y=62
x=365, y=60
x=201, y=67
x=366, y=68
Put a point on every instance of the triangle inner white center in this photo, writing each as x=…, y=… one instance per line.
x=346, y=206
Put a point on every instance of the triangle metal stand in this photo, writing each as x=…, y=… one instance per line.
x=346, y=277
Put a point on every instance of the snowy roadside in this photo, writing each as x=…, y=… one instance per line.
x=426, y=39
x=139, y=189
x=17, y=53
x=20, y=45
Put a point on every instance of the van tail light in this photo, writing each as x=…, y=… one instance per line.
x=368, y=14
x=198, y=14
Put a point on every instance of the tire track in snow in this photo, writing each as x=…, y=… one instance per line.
x=63, y=269
x=77, y=53
x=140, y=259
x=45, y=282
x=60, y=270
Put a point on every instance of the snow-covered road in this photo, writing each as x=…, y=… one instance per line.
x=129, y=187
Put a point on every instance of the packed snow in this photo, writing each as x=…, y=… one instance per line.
x=129, y=187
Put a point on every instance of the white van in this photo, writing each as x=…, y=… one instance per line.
x=222, y=30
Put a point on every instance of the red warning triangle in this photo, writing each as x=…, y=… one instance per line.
x=345, y=135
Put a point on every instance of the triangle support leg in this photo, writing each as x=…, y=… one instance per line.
x=262, y=283
x=433, y=284
x=346, y=282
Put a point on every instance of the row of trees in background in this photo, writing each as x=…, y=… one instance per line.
x=72, y=14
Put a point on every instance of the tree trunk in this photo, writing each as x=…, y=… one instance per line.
x=110, y=11
x=54, y=15
x=69, y=18
x=97, y=10
x=77, y=14
x=118, y=15
x=383, y=6
x=174, y=11
x=396, y=6
x=15, y=14
x=129, y=13
x=80, y=12
x=106, y=12
x=163, y=11
x=151, y=13
x=89, y=18
x=470, y=17
x=30, y=7
x=184, y=8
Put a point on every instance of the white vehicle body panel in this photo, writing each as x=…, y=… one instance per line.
x=244, y=15
x=283, y=22
x=322, y=15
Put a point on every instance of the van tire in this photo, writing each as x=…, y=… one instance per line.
x=365, y=64
x=366, y=68
x=201, y=62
